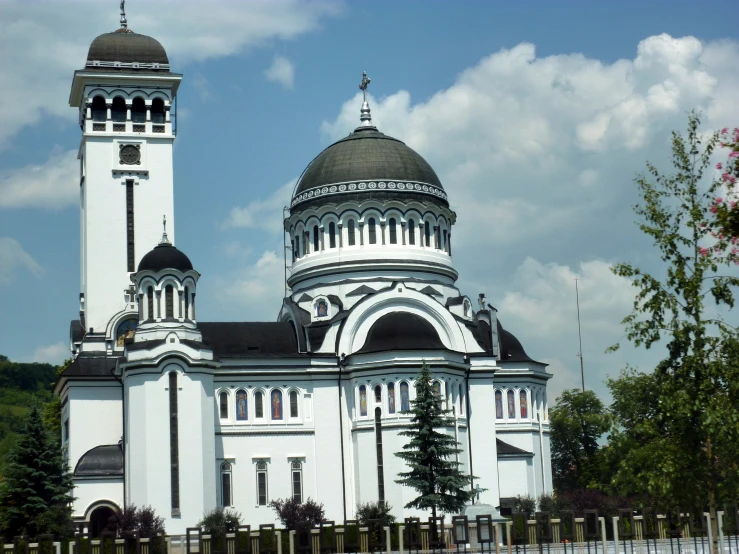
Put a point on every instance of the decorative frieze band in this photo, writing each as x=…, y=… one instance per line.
x=359, y=186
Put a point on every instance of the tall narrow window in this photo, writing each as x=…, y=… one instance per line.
x=150, y=303
x=437, y=238
x=296, y=468
x=242, y=407
x=99, y=109
x=511, y=405
x=461, y=399
x=258, y=404
x=261, y=483
x=523, y=405
x=297, y=245
x=293, y=404
x=225, y=484
x=393, y=231
x=350, y=232
x=332, y=235
x=157, y=110
x=498, y=405
x=427, y=234
x=378, y=394
x=169, y=301
x=405, y=403
x=446, y=246
x=378, y=444
x=316, y=247
x=118, y=110
x=391, y=398
x=187, y=303
x=174, y=444
x=362, y=401
x=411, y=232
x=138, y=110
x=372, y=230
x=129, y=227
x=275, y=399
x=223, y=404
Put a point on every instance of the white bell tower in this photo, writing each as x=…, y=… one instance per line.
x=124, y=95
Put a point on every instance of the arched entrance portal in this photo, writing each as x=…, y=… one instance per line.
x=99, y=520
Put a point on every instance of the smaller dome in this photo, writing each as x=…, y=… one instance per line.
x=126, y=47
x=401, y=331
x=165, y=256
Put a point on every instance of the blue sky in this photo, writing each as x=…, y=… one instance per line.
x=536, y=115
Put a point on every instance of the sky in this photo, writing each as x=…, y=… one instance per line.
x=536, y=116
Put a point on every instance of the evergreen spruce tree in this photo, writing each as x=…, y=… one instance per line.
x=35, y=483
x=433, y=471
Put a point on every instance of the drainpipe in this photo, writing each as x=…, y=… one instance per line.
x=342, y=362
x=123, y=429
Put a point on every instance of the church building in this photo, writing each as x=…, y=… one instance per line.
x=162, y=409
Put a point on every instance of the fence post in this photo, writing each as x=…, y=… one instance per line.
x=509, y=540
x=401, y=529
x=720, y=524
x=498, y=537
x=603, y=535
x=292, y=541
x=615, y=533
x=709, y=531
x=388, y=548
x=278, y=534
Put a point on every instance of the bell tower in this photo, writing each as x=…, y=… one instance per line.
x=125, y=95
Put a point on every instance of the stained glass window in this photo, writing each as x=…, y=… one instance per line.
x=524, y=405
x=405, y=403
x=276, y=404
x=242, y=410
x=511, y=405
x=498, y=405
x=362, y=401
x=391, y=398
x=293, y=404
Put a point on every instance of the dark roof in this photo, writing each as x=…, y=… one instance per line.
x=511, y=349
x=126, y=47
x=305, y=298
x=237, y=339
x=401, y=331
x=505, y=449
x=165, y=256
x=366, y=155
x=456, y=301
x=76, y=331
x=84, y=366
x=100, y=461
x=431, y=291
x=364, y=289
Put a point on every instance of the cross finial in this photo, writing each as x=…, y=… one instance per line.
x=124, y=21
x=165, y=239
x=365, y=116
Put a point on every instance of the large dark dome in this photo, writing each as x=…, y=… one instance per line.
x=126, y=47
x=165, y=256
x=368, y=162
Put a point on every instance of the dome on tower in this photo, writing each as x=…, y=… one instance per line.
x=125, y=47
x=165, y=256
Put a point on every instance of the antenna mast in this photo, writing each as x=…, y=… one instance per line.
x=579, y=335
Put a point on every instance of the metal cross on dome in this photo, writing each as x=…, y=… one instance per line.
x=124, y=21
x=365, y=116
x=363, y=85
x=165, y=239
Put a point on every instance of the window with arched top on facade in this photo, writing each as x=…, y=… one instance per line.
x=138, y=110
x=372, y=230
x=99, y=110
x=242, y=406
x=378, y=394
x=405, y=401
x=362, y=401
x=275, y=401
x=259, y=404
x=436, y=386
x=169, y=301
x=466, y=308
x=321, y=308
x=118, y=110
x=411, y=232
x=391, y=398
x=296, y=469
x=393, y=231
x=150, y=303
x=523, y=404
x=157, y=110
x=511, y=405
x=447, y=399
x=444, y=241
x=332, y=235
x=427, y=234
x=223, y=405
x=293, y=404
x=437, y=238
x=351, y=238
x=187, y=303
x=316, y=242
x=261, y=483
x=498, y=405
x=461, y=399
x=226, y=485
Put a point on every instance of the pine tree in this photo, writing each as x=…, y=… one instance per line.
x=35, y=482
x=429, y=454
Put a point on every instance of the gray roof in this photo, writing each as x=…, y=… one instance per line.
x=165, y=256
x=367, y=154
x=127, y=47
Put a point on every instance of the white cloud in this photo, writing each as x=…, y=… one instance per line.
x=282, y=71
x=41, y=44
x=52, y=185
x=14, y=259
x=52, y=354
x=262, y=214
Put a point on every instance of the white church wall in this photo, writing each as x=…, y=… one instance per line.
x=327, y=448
x=91, y=491
x=514, y=477
x=483, y=434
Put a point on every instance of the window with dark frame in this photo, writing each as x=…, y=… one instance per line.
x=316, y=245
x=157, y=110
x=118, y=110
x=187, y=303
x=372, y=230
x=446, y=246
x=226, y=485
x=99, y=110
x=138, y=110
x=350, y=232
x=393, y=231
x=261, y=483
x=150, y=303
x=223, y=402
x=437, y=238
x=130, y=243
x=427, y=234
x=293, y=404
x=174, y=448
x=169, y=301
x=411, y=232
x=332, y=235
x=378, y=444
x=378, y=394
x=297, y=481
x=258, y=404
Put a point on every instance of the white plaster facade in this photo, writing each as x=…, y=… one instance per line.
x=161, y=409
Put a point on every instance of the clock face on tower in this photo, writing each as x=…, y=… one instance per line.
x=130, y=154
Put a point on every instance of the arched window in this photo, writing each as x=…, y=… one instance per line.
x=157, y=110
x=296, y=468
x=378, y=394
x=259, y=405
x=226, y=484
x=372, y=230
x=437, y=389
x=316, y=246
x=466, y=308
x=350, y=232
x=223, y=404
x=523, y=404
x=437, y=238
x=126, y=330
x=498, y=405
x=187, y=303
x=297, y=245
x=138, y=110
x=378, y=447
x=150, y=303
x=411, y=232
x=446, y=246
x=393, y=231
x=405, y=402
x=99, y=109
x=461, y=399
x=447, y=401
x=261, y=483
x=293, y=404
x=275, y=399
x=391, y=398
x=427, y=234
x=118, y=110
x=332, y=235
x=242, y=407
x=169, y=300
x=511, y=405
x=362, y=401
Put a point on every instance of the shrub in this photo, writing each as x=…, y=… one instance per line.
x=525, y=504
x=377, y=511
x=551, y=503
x=132, y=519
x=293, y=514
x=220, y=517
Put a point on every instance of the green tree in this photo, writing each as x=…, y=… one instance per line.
x=430, y=454
x=677, y=431
x=576, y=423
x=35, y=481
x=53, y=409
